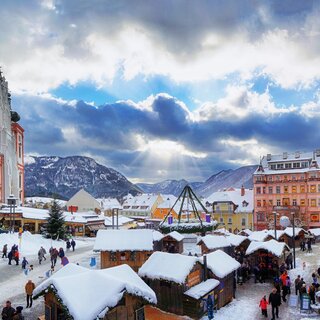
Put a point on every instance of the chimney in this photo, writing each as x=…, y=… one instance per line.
x=243, y=191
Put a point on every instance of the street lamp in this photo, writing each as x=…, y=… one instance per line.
x=275, y=224
x=293, y=238
x=12, y=204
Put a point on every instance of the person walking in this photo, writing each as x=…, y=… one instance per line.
x=297, y=284
x=24, y=263
x=18, y=314
x=53, y=257
x=312, y=294
x=289, y=261
x=10, y=257
x=16, y=257
x=73, y=244
x=309, y=248
x=41, y=254
x=61, y=253
x=275, y=302
x=4, y=251
x=29, y=287
x=264, y=306
x=7, y=312
x=68, y=245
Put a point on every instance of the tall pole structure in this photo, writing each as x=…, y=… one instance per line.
x=294, y=240
x=275, y=224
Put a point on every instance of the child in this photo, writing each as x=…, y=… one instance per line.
x=24, y=263
x=263, y=305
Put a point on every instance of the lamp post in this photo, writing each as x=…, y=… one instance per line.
x=12, y=204
x=293, y=238
x=275, y=224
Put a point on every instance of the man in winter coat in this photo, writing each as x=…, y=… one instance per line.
x=16, y=257
x=297, y=284
x=73, y=244
x=53, y=257
x=7, y=312
x=275, y=302
x=29, y=287
x=4, y=251
x=41, y=254
x=61, y=253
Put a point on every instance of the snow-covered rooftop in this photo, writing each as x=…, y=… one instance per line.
x=121, y=220
x=175, y=235
x=214, y=241
x=109, y=203
x=259, y=235
x=273, y=246
x=168, y=266
x=202, y=288
x=103, y=288
x=142, y=202
x=246, y=231
x=235, y=240
x=157, y=236
x=221, y=264
x=315, y=231
x=124, y=240
x=244, y=203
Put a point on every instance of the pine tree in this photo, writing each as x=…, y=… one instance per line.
x=55, y=228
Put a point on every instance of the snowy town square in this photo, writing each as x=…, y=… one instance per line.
x=159, y=160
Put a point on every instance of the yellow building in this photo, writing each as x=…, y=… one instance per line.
x=233, y=208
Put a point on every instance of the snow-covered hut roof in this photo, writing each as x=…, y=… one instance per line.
x=315, y=231
x=175, y=235
x=214, y=241
x=273, y=246
x=109, y=203
x=157, y=236
x=221, y=264
x=103, y=288
x=168, y=266
x=202, y=288
x=235, y=239
x=121, y=220
x=246, y=231
x=259, y=235
x=289, y=231
x=124, y=240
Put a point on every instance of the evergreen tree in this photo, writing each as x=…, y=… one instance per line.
x=55, y=228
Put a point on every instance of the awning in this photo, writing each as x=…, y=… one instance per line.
x=95, y=227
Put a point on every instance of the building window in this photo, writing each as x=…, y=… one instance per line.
x=285, y=202
x=279, y=165
x=294, y=202
x=294, y=189
x=278, y=202
x=270, y=178
x=133, y=256
x=264, y=190
x=293, y=178
x=318, y=202
x=296, y=165
x=221, y=220
x=304, y=164
x=260, y=216
x=123, y=256
x=243, y=222
x=273, y=167
x=270, y=203
x=288, y=165
x=264, y=203
x=313, y=203
x=230, y=220
x=258, y=189
x=113, y=256
x=258, y=203
x=270, y=190
x=259, y=179
x=285, y=189
x=278, y=178
x=302, y=188
x=302, y=202
x=277, y=189
x=318, y=187
x=313, y=188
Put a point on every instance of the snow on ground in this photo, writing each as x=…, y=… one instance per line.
x=29, y=244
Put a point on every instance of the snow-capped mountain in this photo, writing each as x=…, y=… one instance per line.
x=224, y=179
x=46, y=176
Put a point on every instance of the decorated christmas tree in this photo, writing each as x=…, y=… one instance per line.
x=55, y=228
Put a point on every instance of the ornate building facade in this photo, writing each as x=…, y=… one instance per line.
x=11, y=148
x=287, y=184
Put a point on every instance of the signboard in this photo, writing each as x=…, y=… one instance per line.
x=305, y=302
x=193, y=278
x=293, y=300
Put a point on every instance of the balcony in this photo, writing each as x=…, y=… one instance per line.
x=281, y=208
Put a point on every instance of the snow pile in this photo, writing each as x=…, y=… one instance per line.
x=168, y=266
x=214, y=242
x=221, y=264
x=102, y=288
x=202, y=289
x=273, y=246
x=124, y=240
x=176, y=235
x=31, y=243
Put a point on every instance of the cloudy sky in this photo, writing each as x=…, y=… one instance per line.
x=164, y=89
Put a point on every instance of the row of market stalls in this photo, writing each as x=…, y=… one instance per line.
x=152, y=277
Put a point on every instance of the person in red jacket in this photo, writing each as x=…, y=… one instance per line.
x=264, y=305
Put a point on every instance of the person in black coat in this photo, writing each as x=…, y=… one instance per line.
x=73, y=244
x=7, y=312
x=275, y=302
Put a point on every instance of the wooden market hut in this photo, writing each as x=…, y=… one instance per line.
x=222, y=267
x=173, y=242
x=171, y=276
x=239, y=243
x=270, y=254
x=116, y=247
x=245, y=232
x=118, y=292
x=263, y=235
x=210, y=243
x=287, y=236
